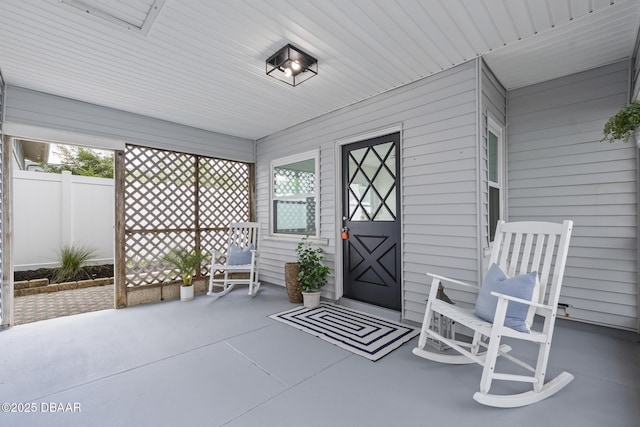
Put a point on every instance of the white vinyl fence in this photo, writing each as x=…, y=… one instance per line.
x=53, y=210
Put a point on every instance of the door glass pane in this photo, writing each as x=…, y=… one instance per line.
x=391, y=203
x=355, y=210
x=383, y=149
x=391, y=162
x=384, y=182
x=384, y=214
x=372, y=183
x=358, y=154
x=353, y=168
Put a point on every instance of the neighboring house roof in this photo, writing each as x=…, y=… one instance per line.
x=30, y=153
x=35, y=151
x=202, y=64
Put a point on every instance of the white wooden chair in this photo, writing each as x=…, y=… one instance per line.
x=241, y=257
x=518, y=248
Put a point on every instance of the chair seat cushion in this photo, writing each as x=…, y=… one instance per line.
x=519, y=286
x=239, y=256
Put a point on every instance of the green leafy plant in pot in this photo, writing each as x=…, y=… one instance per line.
x=624, y=124
x=313, y=273
x=186, y=263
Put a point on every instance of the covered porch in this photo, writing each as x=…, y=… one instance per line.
x=224, y=362
x=521, y=89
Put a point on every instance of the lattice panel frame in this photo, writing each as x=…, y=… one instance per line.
x=178, y=199
x=221, y=182
x=144, y=253
x=159, y=189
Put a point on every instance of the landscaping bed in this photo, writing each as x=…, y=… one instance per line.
x=31, y=282
x=91, y=272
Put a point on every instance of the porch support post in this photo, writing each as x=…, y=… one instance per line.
x=120, y=268
x=7, y=233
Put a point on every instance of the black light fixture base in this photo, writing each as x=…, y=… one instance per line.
x=291, y=65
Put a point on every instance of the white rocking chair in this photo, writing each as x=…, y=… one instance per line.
x=241, y=257
x=518, y=248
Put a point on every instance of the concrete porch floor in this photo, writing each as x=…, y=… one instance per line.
x=225, y=363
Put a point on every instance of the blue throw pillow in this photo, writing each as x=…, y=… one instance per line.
x=519, y=287
x=238, y=256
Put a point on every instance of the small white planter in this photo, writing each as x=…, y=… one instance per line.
x=186, y=293
x=311, y=299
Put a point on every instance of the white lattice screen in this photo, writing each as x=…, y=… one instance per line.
x=177, y=199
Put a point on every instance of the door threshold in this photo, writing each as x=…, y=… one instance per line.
x=375, y=310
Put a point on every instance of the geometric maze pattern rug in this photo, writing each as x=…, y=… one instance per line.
x=361, y=333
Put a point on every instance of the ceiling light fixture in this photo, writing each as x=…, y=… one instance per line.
x=291, y=65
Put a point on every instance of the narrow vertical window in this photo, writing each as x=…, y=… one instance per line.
x=495, y=152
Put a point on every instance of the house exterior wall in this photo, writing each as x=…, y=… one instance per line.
x=439, y=179
x=493, y=103
x=559, y=169
x=6, y=284
x=38, y=115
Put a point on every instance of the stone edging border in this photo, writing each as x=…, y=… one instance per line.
x=41, y=286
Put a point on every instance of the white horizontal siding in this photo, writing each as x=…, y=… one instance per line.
x=439, y=178
x=29, y=109
x=559, y=169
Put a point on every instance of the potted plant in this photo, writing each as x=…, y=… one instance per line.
x=624, y=124
x=313, y=273
x=185, y=262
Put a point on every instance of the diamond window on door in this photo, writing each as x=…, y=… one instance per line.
x=372, y=183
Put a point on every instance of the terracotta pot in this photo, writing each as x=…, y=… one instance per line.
x=291, y=271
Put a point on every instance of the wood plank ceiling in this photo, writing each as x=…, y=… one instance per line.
x=202, y=63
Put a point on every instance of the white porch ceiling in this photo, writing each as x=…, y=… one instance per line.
x=202, y=63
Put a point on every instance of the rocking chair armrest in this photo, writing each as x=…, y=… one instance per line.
x=520, y=300
x=454, y=281
x=218, y=257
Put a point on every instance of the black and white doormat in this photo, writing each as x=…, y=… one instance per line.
x=361, y=333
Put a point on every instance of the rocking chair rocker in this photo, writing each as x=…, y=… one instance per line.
x=518, y=248
x=241, y=257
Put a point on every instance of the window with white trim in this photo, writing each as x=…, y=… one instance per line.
x=496, y=175
x=294, y=194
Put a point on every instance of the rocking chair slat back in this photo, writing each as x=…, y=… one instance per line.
x=523, y=247
x=243, y=234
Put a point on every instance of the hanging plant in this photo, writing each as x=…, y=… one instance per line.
x=623, y=125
